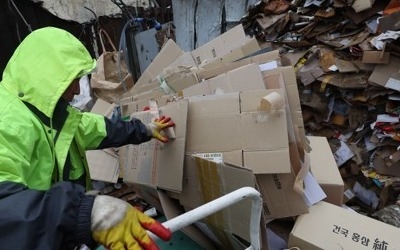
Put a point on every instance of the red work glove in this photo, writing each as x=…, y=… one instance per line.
x=155, y=127
x=119, y=226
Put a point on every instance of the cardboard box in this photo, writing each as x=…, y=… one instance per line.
x=232, y=122
x=103, y=164
x=328, y=226
x=154, y=163
x=325, y=170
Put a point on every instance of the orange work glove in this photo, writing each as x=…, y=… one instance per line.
x=117, y=225
x=155, y=127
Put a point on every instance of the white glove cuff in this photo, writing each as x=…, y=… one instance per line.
x=149, y=130
x=107, y=211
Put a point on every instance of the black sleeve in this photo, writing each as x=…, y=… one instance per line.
x=55, y=219
x=120, y=133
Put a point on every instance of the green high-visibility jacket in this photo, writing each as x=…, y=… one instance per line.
x=43, y=142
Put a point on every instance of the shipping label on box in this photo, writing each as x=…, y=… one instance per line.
x=328, y=226
x=155, y=163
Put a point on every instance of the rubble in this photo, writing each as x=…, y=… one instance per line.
x=346, y=58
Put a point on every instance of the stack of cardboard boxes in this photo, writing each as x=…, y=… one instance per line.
x=238, y=123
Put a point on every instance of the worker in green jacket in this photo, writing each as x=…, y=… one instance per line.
x=44, y=176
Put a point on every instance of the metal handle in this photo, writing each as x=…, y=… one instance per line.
x=218, y=204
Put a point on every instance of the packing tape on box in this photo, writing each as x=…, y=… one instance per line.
x=164, y=86
x=298, y=186
x=272, y=102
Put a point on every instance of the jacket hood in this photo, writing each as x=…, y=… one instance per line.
x=44, y=65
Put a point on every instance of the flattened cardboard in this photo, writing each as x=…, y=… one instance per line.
x=190, y=195
x=285, y=79
x=328, y=226
x=137, y=106
x=325, y=170
x=185, y=60
x=345, y=66
x=103, y=164
x=149, y=194
x=361, y=5
x=280, y=200
x=232, y=121
x=225, y=67
x=102, y=107
x=216, y=180
x=183, y=78
x=378, y=57
x=221, y=45
x=154, y=163
x=167, y=55
x=247, y=77
x=346, y=81
x=389, y=22
x=249, y=47
x=386, y=163
x=387, y=75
